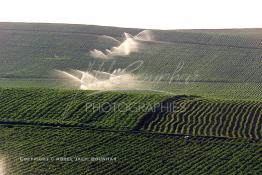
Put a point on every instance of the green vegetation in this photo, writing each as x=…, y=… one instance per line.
x=210, y=122
x=30, y=82
x=72, y=107
x=231, y=91
x=153, y=112
x=220, y=58
x=197, y=116
x=135, y=153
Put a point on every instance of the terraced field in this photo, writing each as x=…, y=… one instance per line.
x=80, y=151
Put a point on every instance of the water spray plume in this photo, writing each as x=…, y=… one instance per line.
x=127, y=35
x=128, y=46
x=145, y=35
x=118, y=79
x=99, y=80
x=109, y=38
x=99, y=54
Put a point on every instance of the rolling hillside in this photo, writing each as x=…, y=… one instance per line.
x=212, y=59
x=194, y=104
x=217, y=56
x=79, y=151
x=129, y=111
x=46, y=130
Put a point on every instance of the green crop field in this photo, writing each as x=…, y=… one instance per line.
x=29, y=54
x=131, y=154
x=184, y=115
x=197, y=116
x=195, y=107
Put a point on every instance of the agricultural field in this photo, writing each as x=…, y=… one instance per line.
x=41, y=48
x=95, y=109
x=193, y=104
x=197, y=116
x=182, y=115
x=220, y=63
x=131, y=153
x=44, y=130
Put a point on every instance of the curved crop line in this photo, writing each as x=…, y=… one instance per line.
x=154, y=122
x=230, y=117
x=182, y=111
x=160, y=124
x=157, y=127
x=202, y=117
x=223, y=119
x=232, y=124
x=207, y=118
x=252, y=122
x=237, y=127
x=168, y=126
x=163, y=127
x=196, y=105
x=218, y=118
x=183, y=114
x=185, y=125
x=211, y=121
x=197, y=115
x=258, y=128
x=244, y=121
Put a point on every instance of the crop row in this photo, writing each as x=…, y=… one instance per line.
x=186, y=115
x=94, y=109
x=134, y=153
x=197, y=116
